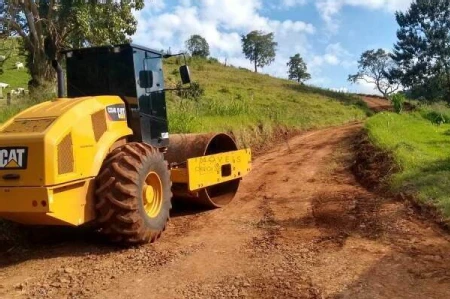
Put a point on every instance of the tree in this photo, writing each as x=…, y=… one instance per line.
x=198, y=46
x=374, y=67
x=432, y=90
x=298, y=69
x=48, y=26
x=259, y=48
x=422, y=51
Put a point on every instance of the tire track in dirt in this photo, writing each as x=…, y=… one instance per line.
x=300, y=227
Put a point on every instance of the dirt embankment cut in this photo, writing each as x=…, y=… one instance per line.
x=373, y=167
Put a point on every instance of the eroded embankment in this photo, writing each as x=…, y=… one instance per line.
x=374, y=168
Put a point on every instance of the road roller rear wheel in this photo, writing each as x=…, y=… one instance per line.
x=133, y=194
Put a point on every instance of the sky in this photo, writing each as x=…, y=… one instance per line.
x=329, y=34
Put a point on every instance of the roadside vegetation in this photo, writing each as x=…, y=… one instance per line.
x=419, y=142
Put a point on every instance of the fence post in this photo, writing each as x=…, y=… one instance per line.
x=8, y=99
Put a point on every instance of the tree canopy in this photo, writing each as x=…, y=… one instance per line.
x=297, y=69
x=47, y=26
x=374, y=67
x=422, y=52
x=198, y=46
x=259, y=48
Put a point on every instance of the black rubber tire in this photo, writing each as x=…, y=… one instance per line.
x=119, y=204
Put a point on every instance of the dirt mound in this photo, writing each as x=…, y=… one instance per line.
x=378, y=104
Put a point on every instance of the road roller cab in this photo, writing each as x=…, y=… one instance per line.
x=103, y=153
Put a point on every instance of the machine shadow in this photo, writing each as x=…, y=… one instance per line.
x=21, y=243
x=38, y=243
x=181, y=208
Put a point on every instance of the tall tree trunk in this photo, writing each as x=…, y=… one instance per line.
x=383, y=92
x=41, y=70
x=447, y=77
x=256, y=60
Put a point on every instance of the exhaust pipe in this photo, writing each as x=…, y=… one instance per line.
x=186, y=146
x=60, y=77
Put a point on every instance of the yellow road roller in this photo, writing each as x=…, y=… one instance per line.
x=100, y=153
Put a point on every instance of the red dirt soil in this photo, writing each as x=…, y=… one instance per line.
x=377, y=104
x=301, y=227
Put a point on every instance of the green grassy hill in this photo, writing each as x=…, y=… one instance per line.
x=251, y=106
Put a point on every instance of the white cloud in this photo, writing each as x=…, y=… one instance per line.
x=367, y=88
x=340, y=89
x=221, y=23
x=328, y=9
x=331, y=59
x=334, y=55
x=155, y=5
x=292, y=3
x=319, y=81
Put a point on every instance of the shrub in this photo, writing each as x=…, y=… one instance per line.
x=213, y=60
x=437, y=113
x=195, y=92
x=397, y=100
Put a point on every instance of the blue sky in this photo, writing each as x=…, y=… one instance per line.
x=329, y=34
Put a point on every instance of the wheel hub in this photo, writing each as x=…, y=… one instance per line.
x=152, y=195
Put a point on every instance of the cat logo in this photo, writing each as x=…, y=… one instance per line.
x=13, y=157
x=116, y=112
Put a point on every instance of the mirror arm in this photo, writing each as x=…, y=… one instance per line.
x=173, y=55
x=185, y=63
x=172, y=89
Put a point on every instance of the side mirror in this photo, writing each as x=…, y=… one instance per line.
x=185, y=74
x=145, y=79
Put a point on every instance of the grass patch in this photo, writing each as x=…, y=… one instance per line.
x=18, y=104
x=420, y=148
x=6, y=112
x=15, y=78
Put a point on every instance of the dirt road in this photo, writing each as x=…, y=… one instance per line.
x=301, y=227
x=377, y=104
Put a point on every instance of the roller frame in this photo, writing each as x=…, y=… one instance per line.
x=210, y=170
